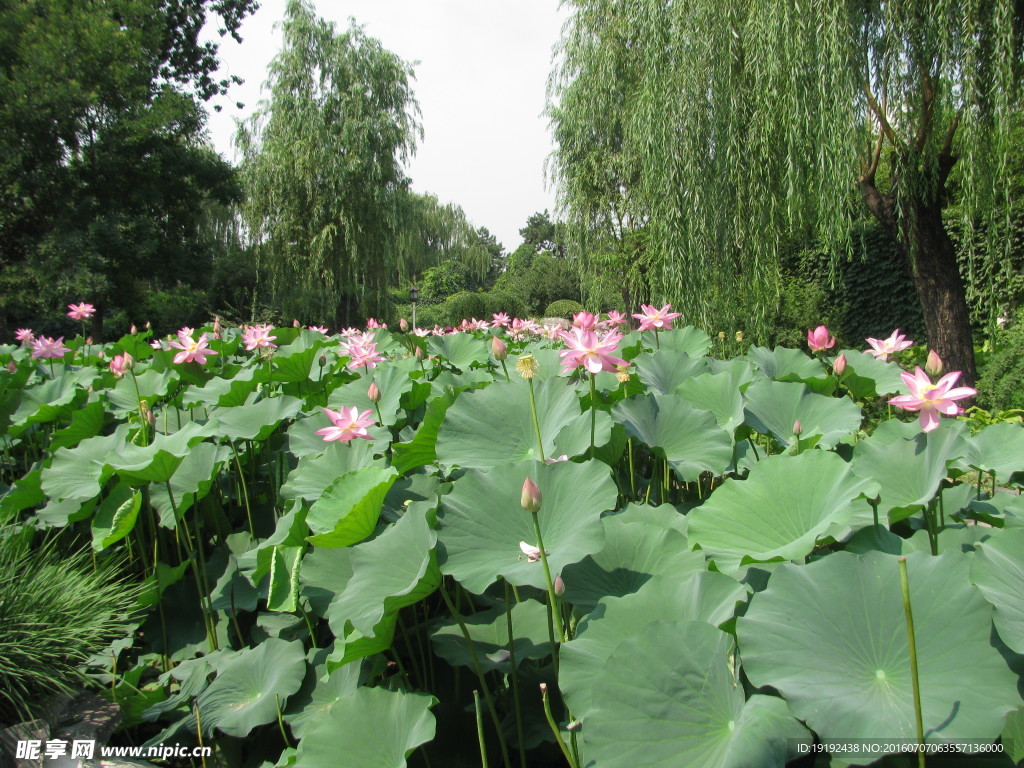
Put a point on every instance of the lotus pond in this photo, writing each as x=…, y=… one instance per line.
x=643, y=566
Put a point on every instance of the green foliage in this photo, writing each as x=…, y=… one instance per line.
x=444, y=280
x=466, y=305
x=563, y=308
x=503, y=301
x=539, y=279
x=57, y=610
x=1001, y=386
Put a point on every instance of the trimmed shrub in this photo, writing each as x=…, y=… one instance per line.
x=466, y=305
x=502, y=301
x=563, y=308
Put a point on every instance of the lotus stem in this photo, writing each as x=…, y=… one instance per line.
x=505, y=370
x=280, y=722
x=593, y=411
x=480, y=728
x=514, y=675
x=536, y=423
x=912, y=645
x=554, y=726
x=552, y=599
x=199, y=734
x=245, y=491
x=632, y=472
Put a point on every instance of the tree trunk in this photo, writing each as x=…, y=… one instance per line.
x=931, y=261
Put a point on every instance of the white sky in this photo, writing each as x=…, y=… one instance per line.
x=480, y=82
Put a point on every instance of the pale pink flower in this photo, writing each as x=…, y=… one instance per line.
x=473, y=325
x=348, y=424
x=258, y=337
x=933, y=366
x=616, y=318
x=158, y=344
x=895, y=343
x=553, y=332
x=192, y=350
x=46, y=347
x=553, y=460
x=819, y=340
x=839, y=365
x=656, y=319
x=932, y=399
x=121, y=364
x=373, y=323
x=362, y=355
x=319, y=329
x=593, y=352
x=532, y=553
x=25, y=335
x=349, y=332
x=531, y=498
x=585, y=321
x=81, y=311
x=498, y=348
x=421, y=332
x=500, y=320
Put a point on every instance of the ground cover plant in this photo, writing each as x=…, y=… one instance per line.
x=524, y=545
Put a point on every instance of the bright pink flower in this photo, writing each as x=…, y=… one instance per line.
x=593, y=352
x=46, y=347
x=362, y=354
x=616, y=318
x=585, y=321
x=498, y=348
x=520, y=328
x=191, y=349
x=121, y=364
x=501, y=320
x=819, y=340
x=839, y=365
x=656, y=319
x=895, y=343
x=932, y=399
x=25, y=335
x=348, y=424
x=81, y=311
x=372, y=323
x=258, y=337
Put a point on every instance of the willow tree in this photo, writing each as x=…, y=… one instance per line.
x=323, y=169
x=721, y=127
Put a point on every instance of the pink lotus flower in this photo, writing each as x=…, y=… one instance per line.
x=348, y=424
x=593, y=352
x=933, y=366
x=585, y=321
x=532, y=553
x=191, y=350
x=501, y=320
x=895, y=343
x=121, y=364
x=362, y=351
x=81, y=311
x=474, y=325
x=258, y=337
x=46, y=347
x=819, y=340
x=421, y=332
x=656, y=319
x=498, y=348
x=932, y=399
x=616, y=318
x=373, y=323
x=839, y=365
x=25, y=335
x=319, y=329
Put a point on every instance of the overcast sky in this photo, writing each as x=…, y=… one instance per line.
x=480, y=82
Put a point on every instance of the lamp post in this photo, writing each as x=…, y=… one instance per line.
x=414, y=298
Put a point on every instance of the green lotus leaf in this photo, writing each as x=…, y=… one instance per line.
x=780, y=510
x=294, y=362
x=326, y=693
x=256, y=420
x=998, y=571
x=548, y=361
x=866, y=376
x=671, y=696
x=325, y=574
x=353, y=645
x=785, y=364
x=317, y=471
x=304, y=441
x=248, y=686
x=908, y=471
x=87, y=421
x=116, y=516
x=47, y=401
x=633, y=553
x=693, y=596
x=494, y=426
x=718, y=393
x=482, y=521
x=158, y=461
x=26, y=492
x=391, y=378
x=998, y=448
x=226, y=390
x=422, y=449
x=459, y=350
x=692, y=341
x=285, y=565
x=372, y=728
x=1013, y=736
x=192, y=481
x=831, y=637
x=396, y=569
x=489, y=632
x=663, y=371
x=348, y=510
x=153, y=385
x=772, y=407
x=690, y=439
x=79, y=473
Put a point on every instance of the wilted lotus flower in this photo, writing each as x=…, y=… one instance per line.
x=934, y=364
x=555, y=460
x=527, y=367
x=498, y=348
x=532, y=553
x=721, y=336
x=839, y=365
x=531, y=497
x=739, y=336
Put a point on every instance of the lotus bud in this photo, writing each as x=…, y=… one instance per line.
x=88, y=339
x=531, y=497
x=373, y=392
x=133, y=330
x=11, y=367
x=498, y=348
x=295, y=324
x=558, y=585
x=839, y=365
x=527, y=367
x=217, y=327
x=739, y=336
x=404, y=325
x=721, y=336
x=934, y=364
x=574, y=726
x=149, y=326
x=419, y=353
x=798, y=428
x=323, y=360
